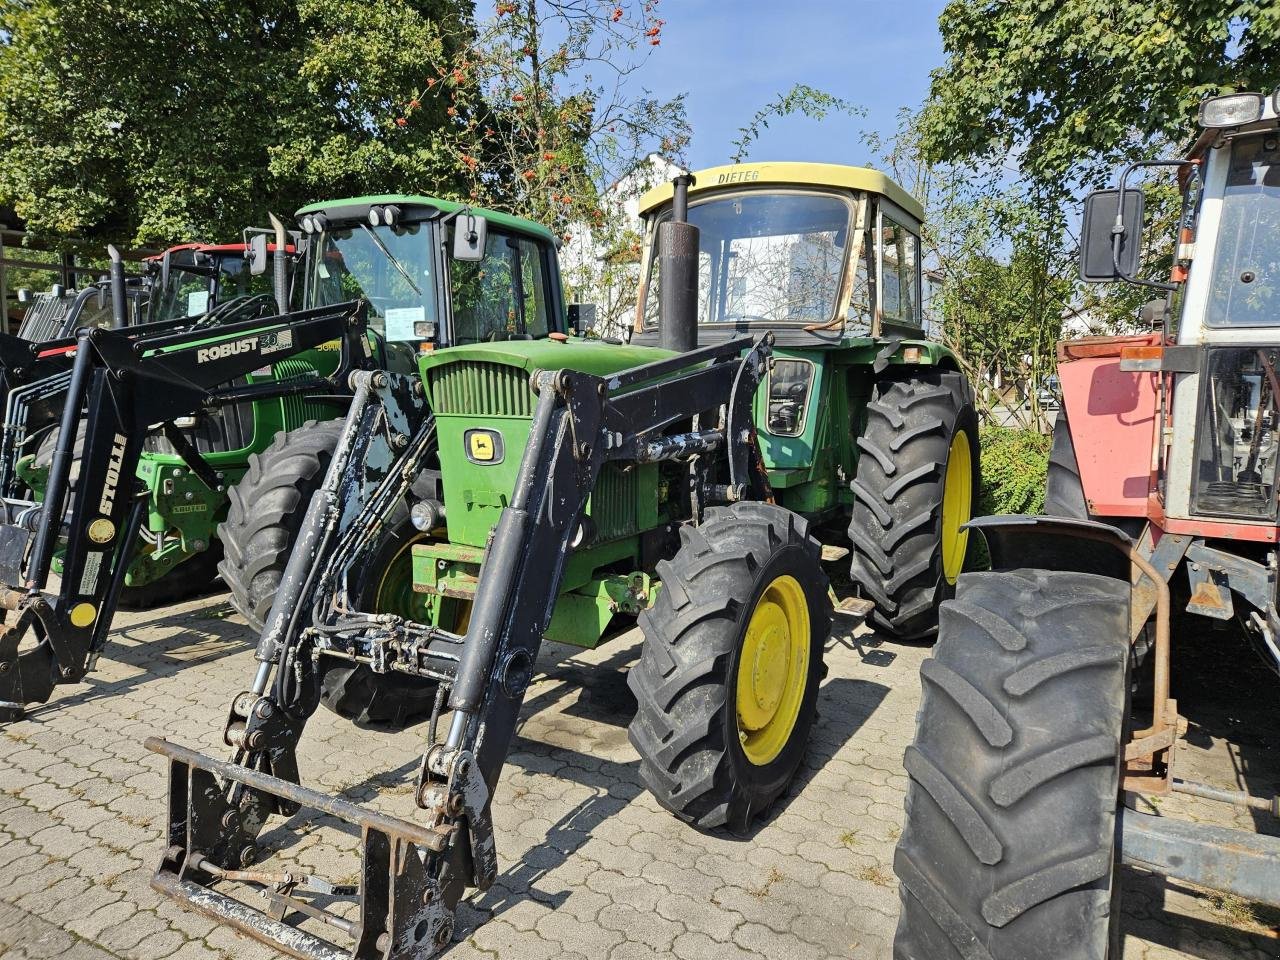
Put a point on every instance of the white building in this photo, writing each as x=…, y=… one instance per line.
x=601, y=265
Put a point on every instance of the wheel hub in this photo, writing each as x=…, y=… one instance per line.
x=773, y=668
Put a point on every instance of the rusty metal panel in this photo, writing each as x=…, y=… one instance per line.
x=1230, y=861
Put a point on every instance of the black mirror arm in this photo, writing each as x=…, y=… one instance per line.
x=1118, y=231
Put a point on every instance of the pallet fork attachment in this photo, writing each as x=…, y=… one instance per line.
x=120, y=384
x=413, y=875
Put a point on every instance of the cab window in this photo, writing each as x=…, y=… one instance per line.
x=1246, y=267
x=503, y=296
x=765, y=257
x=899, y=278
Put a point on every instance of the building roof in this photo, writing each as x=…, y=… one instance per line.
x=739, y=175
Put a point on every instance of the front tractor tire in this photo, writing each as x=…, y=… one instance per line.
x=1008, y=847
x=266, y=512
x=727, y=682
x=914, y=491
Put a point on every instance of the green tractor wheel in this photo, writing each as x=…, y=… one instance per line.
x=727, y=683
x=266, y=512
x=915, y=488
x=192, y=577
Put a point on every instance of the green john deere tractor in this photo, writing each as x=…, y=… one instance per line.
x=238, y=459
x=866, y=426
x=525, y=484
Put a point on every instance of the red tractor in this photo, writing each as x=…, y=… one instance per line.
x=1031, y=751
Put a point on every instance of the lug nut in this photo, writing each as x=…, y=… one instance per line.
x=444, y=934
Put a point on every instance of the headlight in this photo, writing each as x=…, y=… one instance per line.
x=1231, y=110
x=375, y=216
x=789, y=383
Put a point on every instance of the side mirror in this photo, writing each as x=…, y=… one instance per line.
x=582, y=317
x=469, y=233
x=257, y=254
x=1099, y=257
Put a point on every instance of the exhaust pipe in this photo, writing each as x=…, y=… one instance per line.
x=119, y=306
x=279, y=261
x=678, y=273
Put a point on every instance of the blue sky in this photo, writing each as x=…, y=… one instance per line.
x=733, y=56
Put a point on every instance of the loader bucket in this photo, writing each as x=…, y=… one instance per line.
x=398, y=912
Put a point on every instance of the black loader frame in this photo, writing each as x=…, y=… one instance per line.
x=413, y=874
x=120, y=384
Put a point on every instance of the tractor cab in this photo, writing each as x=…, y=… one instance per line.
x=1211, y=383
x=435, y=273
x=826, y=259
x=191, y=279
x=815, y=252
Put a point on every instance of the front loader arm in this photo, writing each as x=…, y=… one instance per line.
x=119, y=387
x=414, y=874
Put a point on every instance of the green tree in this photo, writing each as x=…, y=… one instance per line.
x=153, y=121
x=547, y=119
x=544, y=109
x=800, y=99
x=1004, y=260
x=1073, y=87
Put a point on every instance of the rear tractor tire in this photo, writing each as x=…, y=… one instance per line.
x=727, y=682
x=266, y=512
x=916, y=486
x=1008, y=847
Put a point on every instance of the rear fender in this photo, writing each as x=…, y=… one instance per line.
x=1055, y=543
x=1112, y=414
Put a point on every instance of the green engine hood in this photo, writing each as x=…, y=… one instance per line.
x=595, y=357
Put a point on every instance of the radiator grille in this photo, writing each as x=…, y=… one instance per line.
x=481, y=389
x=614, y=502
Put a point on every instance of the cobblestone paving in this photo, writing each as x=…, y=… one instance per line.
x=590, y=866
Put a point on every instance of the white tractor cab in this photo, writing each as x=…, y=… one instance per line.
x=1221, y=452
x=1161, y=490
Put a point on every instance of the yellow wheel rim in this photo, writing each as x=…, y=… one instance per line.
x=395, y=593
x=957, y=505
x=773, y=669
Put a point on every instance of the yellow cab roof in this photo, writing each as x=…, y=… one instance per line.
x=738, y=175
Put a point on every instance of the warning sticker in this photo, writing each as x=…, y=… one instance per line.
x=89, y=582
